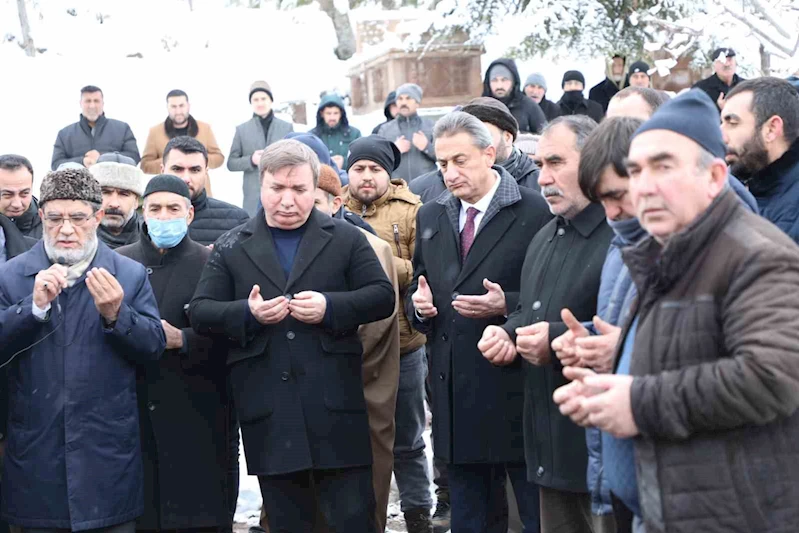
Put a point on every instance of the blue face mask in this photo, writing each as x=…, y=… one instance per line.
x=167, y=233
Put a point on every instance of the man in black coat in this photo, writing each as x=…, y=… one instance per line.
x=536, y=88
x=187, y=158
x=93, y=135
x=289, y=289
x=504, y=129
x=614, y=82
x=469, y=252
x=723, y=80
x=561, y=270
x=182, y=396
x=122, y=183
x=503, y=83
x=573, y=102
x=389, y=110
x=12, y=244
x=16, y=195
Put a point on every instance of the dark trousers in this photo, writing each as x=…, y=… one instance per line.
x=232, y=477
x=474, y=490
x=127, y=527
x=624, y=517
x=565, y=512
x=440, y=478
x=344, y=496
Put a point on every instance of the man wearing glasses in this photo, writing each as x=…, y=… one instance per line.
x=75, y=321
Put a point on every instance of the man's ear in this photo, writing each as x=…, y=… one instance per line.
x=337, y=203
x=191, y=214
x=773, y=129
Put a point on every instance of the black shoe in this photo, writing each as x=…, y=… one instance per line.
x=418, y=521
x=441, y=518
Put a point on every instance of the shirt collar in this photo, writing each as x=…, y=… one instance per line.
x=482, y=204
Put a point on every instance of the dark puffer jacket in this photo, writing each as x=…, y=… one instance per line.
x=716, y=385
x=390, y=99
x=213, y=218
x=526, y=112
x=776, y=189
x=109, y=135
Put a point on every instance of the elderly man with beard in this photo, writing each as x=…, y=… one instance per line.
x=561, y=269
x=122, y=184
x=76, y=322
x=760, y=125
x=705, y=370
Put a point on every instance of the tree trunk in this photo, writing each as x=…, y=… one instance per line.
x=344, y=33
x=765, y=61
x=27, y=40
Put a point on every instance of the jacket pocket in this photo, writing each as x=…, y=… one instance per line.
x=255, y=348
x=343, y=390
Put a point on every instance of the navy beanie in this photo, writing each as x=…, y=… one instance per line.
x=376, y=149
x=314, y=143
x=693, y=115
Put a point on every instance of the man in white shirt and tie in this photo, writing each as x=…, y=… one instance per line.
x=470, y=246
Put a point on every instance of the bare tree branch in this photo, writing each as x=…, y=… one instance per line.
x=762, y=35
x=764, y=12
x=27, y=40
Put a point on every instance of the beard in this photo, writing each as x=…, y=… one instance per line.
x=503, y=152
x=71, y=256
x=115, y=223
x=751, y=158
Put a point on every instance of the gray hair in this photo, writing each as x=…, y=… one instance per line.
x=581, y=125
x=459, y=122
x=704, y=160
x=288, y=153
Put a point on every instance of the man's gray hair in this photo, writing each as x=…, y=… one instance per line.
x=459, y=122
x=581, y=125
x=288, y=153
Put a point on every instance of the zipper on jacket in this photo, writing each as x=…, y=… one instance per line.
x=397, y=240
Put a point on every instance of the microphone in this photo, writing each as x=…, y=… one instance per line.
x=61, y=260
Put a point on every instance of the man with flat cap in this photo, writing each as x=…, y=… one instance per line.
x=390, y=208
x=76, y=322
x=719, y=84
x=182, y=396
x=412, y=134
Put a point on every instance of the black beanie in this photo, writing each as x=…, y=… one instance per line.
x=167, y=183
x=693, y=115
x=491, y=110
x=638, y=66
x=376, y=149
x=573, y=75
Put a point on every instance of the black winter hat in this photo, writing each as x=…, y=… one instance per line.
x=573, y=75
x=376, y=149
x=167, y=183
x=638, y=66
x=693, y=115
x=70, y=184
x=491, y=110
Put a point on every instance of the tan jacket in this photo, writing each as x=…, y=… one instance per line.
x=157, y=140
x=393, y=217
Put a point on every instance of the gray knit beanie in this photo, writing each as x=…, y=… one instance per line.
x=412, y=90
x=70, y=184
x=536, y=78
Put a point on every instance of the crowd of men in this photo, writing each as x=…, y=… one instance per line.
x=602, y=315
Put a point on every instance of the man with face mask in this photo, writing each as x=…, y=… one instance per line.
x=181, y=397
x=573, y=102
x=122, y=185
x=76, y=322
x=760, y=125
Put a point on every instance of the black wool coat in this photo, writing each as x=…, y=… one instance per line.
x=297, y=387
x=562, y=269
x=477, y=407
x=182, y=402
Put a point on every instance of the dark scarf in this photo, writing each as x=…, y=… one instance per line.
x=518, y=164
x=266, y=123
x=29, y=219
x=129, y=234
x=191, y=128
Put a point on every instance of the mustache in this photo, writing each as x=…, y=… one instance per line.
x=113, y=211
x=551, y=190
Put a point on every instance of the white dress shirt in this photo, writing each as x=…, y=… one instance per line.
x=481, y=205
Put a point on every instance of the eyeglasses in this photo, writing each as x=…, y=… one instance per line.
x=55, y=221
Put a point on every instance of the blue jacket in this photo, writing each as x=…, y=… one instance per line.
x=616, y=294
x=73, y=456
x=776, y=189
